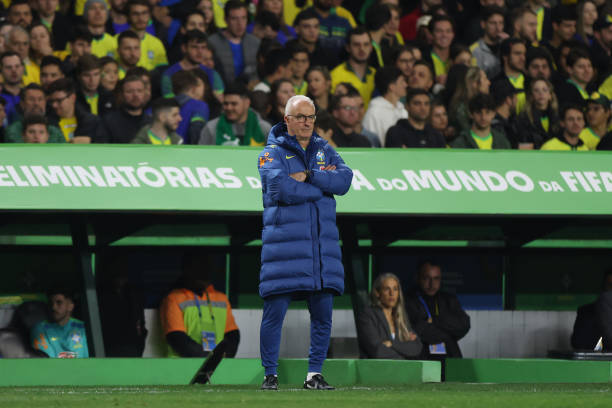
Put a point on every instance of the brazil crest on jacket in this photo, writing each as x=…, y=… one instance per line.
x=300, y=248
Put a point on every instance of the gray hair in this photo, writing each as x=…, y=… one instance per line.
x=294, y=100
x=15, y=29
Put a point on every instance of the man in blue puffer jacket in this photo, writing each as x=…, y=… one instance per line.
x=300, y=256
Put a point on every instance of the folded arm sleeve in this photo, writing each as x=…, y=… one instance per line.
x=455, y=321
x=184, y=345
x=428, y=332
x=408, y=349
x=279, y=186
x=369, y=339
x=333, y=181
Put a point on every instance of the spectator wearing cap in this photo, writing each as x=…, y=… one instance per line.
x=601, y=48
x=238, y=125
x=513, y=52
x=385, y=110
x=307, y=29
x=235, y=49
x=481, y=135
x=95, y=15
x=485, y=50
x=572, y=124
x=194, y=46
x=504, y=95
x=91, y=95
x=577, y=87
x=598, y=120
x=415, y=131
x=58, y=24
x=152, y=50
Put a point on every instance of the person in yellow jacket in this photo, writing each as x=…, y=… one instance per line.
x=572, y=123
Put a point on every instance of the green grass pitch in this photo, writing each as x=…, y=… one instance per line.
x=424, y=395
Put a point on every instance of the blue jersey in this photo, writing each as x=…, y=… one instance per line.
x=54, y=339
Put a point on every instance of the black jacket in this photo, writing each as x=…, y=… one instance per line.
x=404, y=134
x=507, y=127
x=586, y=332
x=321, y=55
x=106, y=101
x=448, y=326
x=373, y=330
x=533, y=132
x=603, y=308
x=118, y=126
x=341, y=139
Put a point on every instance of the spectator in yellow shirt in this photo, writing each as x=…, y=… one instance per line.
x=356, y=70
x=153, y=51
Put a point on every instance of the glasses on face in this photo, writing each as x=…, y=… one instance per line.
x=57, y=100
x=304, y=118
x=351, y=108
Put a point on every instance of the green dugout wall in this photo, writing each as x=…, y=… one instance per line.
x=80, y=200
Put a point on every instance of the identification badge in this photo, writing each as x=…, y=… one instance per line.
x=439, y=348
x=209, y=341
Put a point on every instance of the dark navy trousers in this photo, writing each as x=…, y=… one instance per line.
x=320, y=305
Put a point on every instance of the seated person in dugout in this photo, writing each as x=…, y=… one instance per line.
x=196, y=318
x=61, y=336
x=383, y=329
x=437, y=316
x=588, y=327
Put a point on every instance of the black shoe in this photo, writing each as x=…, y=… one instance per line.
x=270, y=383
x=317, y=383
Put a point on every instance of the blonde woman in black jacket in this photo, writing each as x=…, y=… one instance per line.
x=383, y=329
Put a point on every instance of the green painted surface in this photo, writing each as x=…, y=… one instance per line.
x=527, y=371
x=92, y=372
x=170, y=371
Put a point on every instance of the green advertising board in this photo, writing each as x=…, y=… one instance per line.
x=224, y=179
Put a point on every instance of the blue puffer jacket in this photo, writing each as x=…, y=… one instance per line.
x=300, y=250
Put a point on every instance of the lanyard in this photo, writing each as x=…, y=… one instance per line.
x=197, y=302
x=427, y=308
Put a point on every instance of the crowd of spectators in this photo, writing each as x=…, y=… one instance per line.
x=483, y=74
